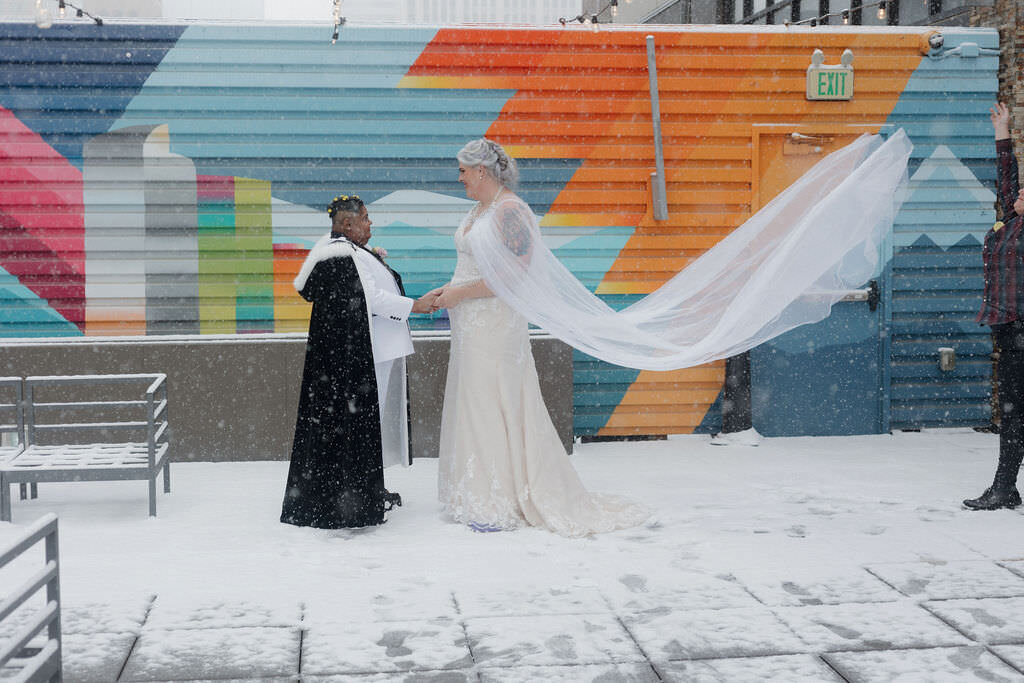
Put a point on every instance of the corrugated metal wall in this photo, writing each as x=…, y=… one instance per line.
x=265, y=124
x=935, y=279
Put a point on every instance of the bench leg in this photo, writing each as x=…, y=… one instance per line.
x=5, y=499
x=152, y=495
x=35, y=490
x=23, y=491
x=167, y=477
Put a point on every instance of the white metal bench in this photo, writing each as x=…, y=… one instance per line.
x=91, y=428
x=33, y=651
x=12, y=424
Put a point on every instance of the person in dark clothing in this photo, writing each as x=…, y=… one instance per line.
x=350, y=424
x=1003, y=309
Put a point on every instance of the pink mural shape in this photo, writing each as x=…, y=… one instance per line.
x=42, y=227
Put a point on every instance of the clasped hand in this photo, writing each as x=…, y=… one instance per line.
x=436, y=299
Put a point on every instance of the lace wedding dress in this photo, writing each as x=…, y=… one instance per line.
x=502, y=464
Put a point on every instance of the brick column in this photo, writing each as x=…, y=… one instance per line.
x=1008, y=17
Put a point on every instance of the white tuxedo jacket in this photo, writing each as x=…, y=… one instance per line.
x=391, y=337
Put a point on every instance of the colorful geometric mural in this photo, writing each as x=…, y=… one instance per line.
x=169, y=179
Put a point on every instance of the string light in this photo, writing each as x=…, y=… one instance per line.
x=339, y=21
x=845, y=14
x=611, y=6
x=44, y=18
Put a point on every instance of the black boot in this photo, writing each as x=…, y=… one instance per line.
x=1003, y=491
x=995, y=498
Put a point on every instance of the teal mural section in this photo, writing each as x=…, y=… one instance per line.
x=933, y=284
x=25, y=314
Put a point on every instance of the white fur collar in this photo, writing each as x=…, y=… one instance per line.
x=327, y=247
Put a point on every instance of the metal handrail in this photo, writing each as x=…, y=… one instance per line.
x=44, y=664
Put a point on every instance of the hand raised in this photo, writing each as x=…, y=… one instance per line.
x=1000, y=117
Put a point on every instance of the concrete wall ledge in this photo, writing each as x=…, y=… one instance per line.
x=234, y=397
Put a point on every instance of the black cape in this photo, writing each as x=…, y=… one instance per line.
x=336, y=477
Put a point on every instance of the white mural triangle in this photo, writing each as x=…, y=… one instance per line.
x=940, y=183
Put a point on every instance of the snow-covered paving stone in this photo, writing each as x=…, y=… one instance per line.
x=119, y=615
x=929, y=665
x=987, y=620
x=866, y=626
x=411, y=677
x=188, y=654
x=586, y=673
x=783, y=668
x=1014, y=654
x=213, y=612
x=797, y=588
x=1015, y=566
x=550, y=639
x=271, y=679
x=345, y=606
x=943, y=580
x=666, y=634
x=95, y=657
x=495, y=602
x=392, y=646
x=677, y=590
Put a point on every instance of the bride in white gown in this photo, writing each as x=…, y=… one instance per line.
x=502, y=464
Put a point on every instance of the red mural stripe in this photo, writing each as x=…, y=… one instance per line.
x=42, y=212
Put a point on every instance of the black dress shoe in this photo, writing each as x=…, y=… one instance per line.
x=392, y=500
x=994, y=499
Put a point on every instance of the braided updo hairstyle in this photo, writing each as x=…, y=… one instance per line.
x=490, y=156
x=344, y=203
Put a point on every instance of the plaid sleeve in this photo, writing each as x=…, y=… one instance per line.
x=1008, y=182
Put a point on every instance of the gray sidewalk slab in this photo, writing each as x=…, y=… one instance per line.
x=565, y=636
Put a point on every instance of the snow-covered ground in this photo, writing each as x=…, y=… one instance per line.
x=790, y=561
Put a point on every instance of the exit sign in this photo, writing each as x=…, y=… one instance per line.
x=830, y=81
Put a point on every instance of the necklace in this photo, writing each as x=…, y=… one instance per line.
x=481, y=207
x=501, y=188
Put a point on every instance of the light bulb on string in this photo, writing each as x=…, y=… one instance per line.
x=846, y=16
x=43, y=17
x=61, y=9
x=595, y=27
x=614, y=4
x=338, y=21
x=881, y=10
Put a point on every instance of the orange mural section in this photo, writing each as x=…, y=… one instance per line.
x=585, y=96
x=291, y=311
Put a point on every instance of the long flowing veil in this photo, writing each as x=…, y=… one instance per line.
x=785, y=266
